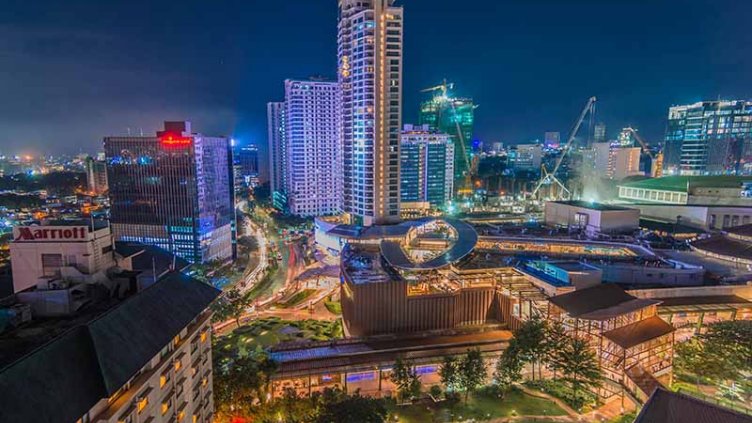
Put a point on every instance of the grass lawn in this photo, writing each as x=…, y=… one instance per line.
x=297, y=298
x=334, y=307
x=270, y=331
x=481, y=406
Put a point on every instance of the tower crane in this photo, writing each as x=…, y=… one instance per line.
x=444, y=88
x=548, y=178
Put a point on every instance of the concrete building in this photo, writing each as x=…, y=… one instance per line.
x=369, y=59
x=276, y=126
x=599, y=133
x=707, y=202
x=709, y=138
x=51, y=249
x=426, y=166
x=130, y=356
x=96, y=176
x=615, y=161
x=174, y=190
x=526, y=156
x=593, y=218
x=313, y=143
x=247, y=159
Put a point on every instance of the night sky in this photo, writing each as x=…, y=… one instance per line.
x=74, y=71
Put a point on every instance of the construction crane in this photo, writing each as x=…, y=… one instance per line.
x=444, y=88
x=548, y=178
x=656, y=160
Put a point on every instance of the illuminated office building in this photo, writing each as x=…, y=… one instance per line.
x=426, y=166
x=599, y=132
x=96, y=176
x=552, y=140
x=370, y=75
x=173, y=190
x=275, y=114
x=709, y=138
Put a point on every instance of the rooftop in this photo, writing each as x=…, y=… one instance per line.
x=601, y=302
x=665, y=406
x=592, y=205
x=639, y=332
x=92, y=356
x=683, y=183
x=724, y=246
x=464, y=245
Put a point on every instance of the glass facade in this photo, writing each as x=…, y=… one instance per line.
x=173, y=191
x=709, y=138
x=445, y=114
x=426, y=166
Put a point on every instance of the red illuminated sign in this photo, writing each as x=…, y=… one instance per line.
x=175, y=141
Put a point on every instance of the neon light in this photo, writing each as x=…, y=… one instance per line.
x=172, y=141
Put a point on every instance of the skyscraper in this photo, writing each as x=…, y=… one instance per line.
x=453, y=116
x=709, y=137
x=275, y=114
x=426, y=166
x=314, y=152
x=370, y=75
x=173, y=190
x=96, y=176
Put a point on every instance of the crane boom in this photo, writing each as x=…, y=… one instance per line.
x=642, y=142
x=550, y=177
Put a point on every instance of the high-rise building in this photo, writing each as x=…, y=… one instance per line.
x=276, y=125
x=426, y=166
x=370, y=75
x=614, y=161
x=552, y=140
x=599, y=132
x=453, y=116
x=314, y=152
x=247, y=159
x=96, y=176
x=526, y=156
x=709, y=137
x=173, y=190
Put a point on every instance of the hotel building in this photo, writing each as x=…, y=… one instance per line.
x=173, y=190
x=370, y=76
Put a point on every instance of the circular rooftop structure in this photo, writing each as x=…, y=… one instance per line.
x=464, y=243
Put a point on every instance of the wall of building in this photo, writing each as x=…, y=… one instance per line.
x=598, y=221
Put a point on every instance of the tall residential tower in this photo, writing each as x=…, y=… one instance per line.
x=370, y=75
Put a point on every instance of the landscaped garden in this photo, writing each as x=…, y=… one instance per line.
x=483, y=405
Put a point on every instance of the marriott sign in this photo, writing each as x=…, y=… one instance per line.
x=49, y=233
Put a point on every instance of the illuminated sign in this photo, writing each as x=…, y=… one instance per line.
x=175, y=141
x=49, y=233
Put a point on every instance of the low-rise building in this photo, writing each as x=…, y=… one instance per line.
x=592, y=218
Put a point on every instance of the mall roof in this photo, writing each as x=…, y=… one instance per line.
x=724, y=246
x=61, y=379
x=683, y=183
x=639, y=332
x=665, y=406
x=742, y=230
x=591, y=205
x=464, y=245
x=601, y=302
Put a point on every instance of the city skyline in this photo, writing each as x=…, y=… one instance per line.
x=100, y=72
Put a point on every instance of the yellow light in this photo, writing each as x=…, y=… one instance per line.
x=142, y=404
x=203, y=336
x=162, y=381
x=165, y=407
x=178, y=365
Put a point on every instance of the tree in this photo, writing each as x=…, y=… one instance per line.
x=231, y=305
x=722, y=354
x=472, y=371
x=579, y=366
x=508, y=370
x=341, y=408
x=530, y=338
x=449, y=373
x=243, y=381
x=406, y=379
x=556, y=339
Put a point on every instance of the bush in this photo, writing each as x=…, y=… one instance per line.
x=435, y=391
x=560, y=390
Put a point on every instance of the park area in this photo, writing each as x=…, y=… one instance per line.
x=481, y=406
x=269, y=331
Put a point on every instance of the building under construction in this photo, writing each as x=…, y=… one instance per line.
x=454, y=116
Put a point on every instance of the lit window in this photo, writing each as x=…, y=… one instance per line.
x=203, y=336
x=195, y=418
x=142, y=404
x=181, y=415
x=178, y=365
x=162, y=381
